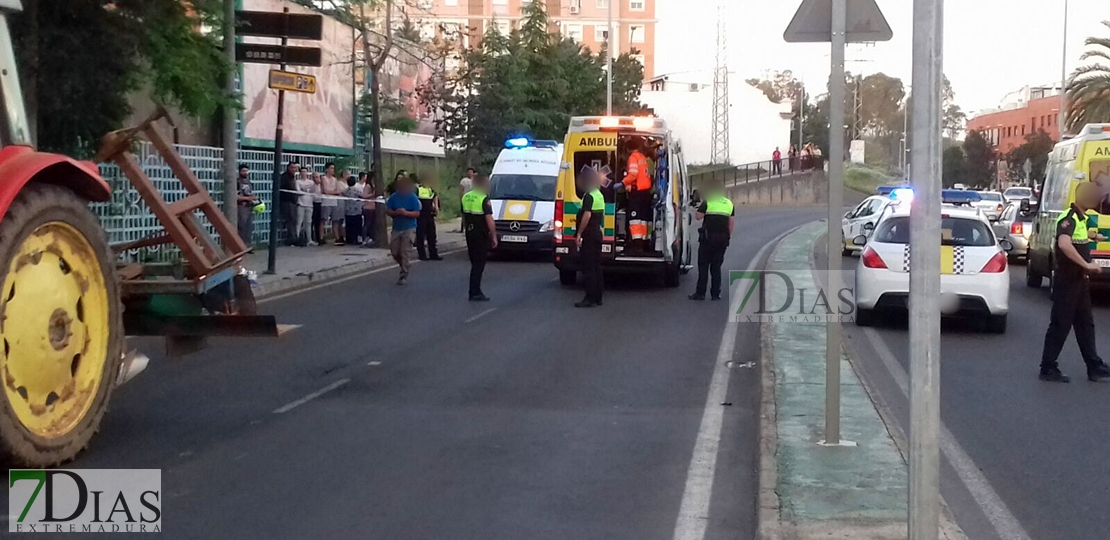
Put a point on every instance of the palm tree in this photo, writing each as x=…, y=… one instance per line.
x=1089, y=88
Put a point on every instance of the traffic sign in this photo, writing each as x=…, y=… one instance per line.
x=292, y=82
x=813, y=23
x=270, y=24
x=257, y=53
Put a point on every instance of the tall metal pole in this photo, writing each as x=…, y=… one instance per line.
x=1063, y=122
x=275, y=198
x=231, y=174
x=801, y=128
x=836, y=204
x=609, y=62
x=925, y=159
x=905, y=138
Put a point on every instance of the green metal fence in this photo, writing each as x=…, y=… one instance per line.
x=127, y=218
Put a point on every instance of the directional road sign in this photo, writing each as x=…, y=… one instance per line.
x=813, y=23
x=292, y=82
x=271, y=24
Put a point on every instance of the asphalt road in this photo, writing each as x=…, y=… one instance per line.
x=1039, y=448
x=522, y=418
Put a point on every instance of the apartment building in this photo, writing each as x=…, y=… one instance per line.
x=585, y=21
x=1020, y=113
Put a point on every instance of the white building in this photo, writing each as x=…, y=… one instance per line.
x=756, y=124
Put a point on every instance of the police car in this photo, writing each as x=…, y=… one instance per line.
x=862, y=219
x=974, y=281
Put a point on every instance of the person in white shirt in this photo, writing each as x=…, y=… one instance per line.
x=465, y=185
x=332, y=212
x=308, y=190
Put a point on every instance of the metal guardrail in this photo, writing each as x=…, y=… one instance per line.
x=759, y=171
x=126, y=217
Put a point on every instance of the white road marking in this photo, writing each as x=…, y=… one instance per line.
x=294, y=404
x=1005, y=524
x=693, y=513
x=480, y=315
x=374, y=363
x=341, y=280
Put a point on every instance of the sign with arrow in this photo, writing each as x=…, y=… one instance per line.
x=813, y=23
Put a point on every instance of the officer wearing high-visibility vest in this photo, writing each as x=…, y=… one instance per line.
x=589, y=237
x=426, y=224
x=637, y=183
x=1071, y=290
x=481, y=233
x=717, y=216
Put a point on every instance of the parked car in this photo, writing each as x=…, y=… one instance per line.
x=862, y=220
x=991, y=203
x=1015, y=225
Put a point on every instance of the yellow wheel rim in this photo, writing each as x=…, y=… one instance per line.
x=54, y=325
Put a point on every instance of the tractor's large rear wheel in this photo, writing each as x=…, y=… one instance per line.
x=60, y=326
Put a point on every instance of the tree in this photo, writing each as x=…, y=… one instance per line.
x=980, y=160
x=628, y=80
x=954, y=117
x=1035, y=149
x=81, y=60
x=954, y=167
x=779, y=87
x=1089, y=87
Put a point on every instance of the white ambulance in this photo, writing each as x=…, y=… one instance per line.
x=522, y=194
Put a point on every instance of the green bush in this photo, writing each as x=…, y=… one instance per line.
x=866, y=179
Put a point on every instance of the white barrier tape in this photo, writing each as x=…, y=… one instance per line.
x=336, y=197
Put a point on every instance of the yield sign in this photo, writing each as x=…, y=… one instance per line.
x=813, y=23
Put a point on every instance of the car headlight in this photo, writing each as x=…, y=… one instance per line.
x=548, y=227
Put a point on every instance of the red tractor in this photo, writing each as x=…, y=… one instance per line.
x=66, y=300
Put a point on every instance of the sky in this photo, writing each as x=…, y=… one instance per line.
x=992, y=47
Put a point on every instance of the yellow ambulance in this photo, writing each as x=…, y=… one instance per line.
x=1084, y=158
x=604, y=144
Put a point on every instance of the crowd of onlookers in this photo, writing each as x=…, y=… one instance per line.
x=808, y=158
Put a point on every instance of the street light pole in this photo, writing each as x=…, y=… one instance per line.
x=609, y=62
x=924, y=304
x=1064, y=78
x=836, y=204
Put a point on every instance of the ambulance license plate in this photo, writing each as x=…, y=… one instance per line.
x=1105, y=263
x=515, y=239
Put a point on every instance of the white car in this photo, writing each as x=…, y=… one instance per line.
x=1016, y=194
x=974, y=281
x=862, y=219
x=991, y=203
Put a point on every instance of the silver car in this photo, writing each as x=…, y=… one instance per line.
x=1015, y=225
x=991, y=204
x=1017, y=193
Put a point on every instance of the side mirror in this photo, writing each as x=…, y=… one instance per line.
x=859, y=241
x=868, y=226
x=848, y=215
x=1006, y=245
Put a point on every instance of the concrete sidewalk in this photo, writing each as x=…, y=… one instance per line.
x=298, y=268
x=809, y=491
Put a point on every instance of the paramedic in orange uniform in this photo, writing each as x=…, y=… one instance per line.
x=637, y=182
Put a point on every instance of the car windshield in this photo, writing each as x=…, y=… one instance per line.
x=527, y=187
x=954, y=232
x=1019, y=193
x=990, y=196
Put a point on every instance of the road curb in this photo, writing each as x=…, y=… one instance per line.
x=263, y=291
x=769, y=515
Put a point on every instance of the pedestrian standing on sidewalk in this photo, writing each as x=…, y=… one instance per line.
x=353, y=206
x=717, y=216
x=333, y=211
x=426, y=246
x=369, y=210
x=404, y=207
x=481, y=234
x=246, y=200
x=317, y=210
x=589, y=237
x=465, y=185
x=289, y=201
x=1071, y=289
x=306, y=187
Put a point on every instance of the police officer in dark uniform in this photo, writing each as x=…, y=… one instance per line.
x=1071, y=291
x=426, y=223
x=589, y=237
x=481, y=233
x=717, y=216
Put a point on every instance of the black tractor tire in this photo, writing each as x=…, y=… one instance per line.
x=35, y=205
